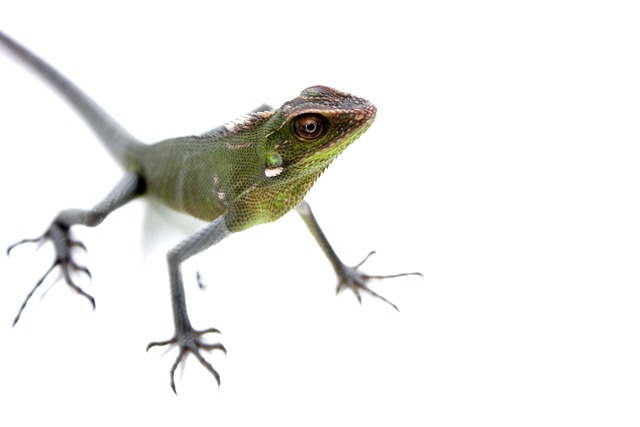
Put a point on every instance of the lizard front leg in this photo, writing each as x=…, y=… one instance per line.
x=59, y=235
x=186, y=338
x=348, y=277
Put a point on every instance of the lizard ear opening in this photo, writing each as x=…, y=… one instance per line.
x=273, y=165
x=273, y=160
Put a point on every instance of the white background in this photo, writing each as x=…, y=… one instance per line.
x=504, y=165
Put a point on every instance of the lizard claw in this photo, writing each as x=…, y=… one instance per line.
x=190, y=342
x=22, y=242
x=62, y=243
x=352, y=278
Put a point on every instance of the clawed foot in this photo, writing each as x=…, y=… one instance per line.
x=63, y=244
x=351, y=278
x=190, y=342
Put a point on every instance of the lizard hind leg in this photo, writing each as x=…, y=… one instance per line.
x=58, y=233
x=60, y=237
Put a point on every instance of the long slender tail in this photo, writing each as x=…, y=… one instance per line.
x=115, y=137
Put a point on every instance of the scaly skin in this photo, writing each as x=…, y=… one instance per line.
x=274, y=161
x=250, y=171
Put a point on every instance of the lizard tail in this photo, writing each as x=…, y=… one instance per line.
x=115, y=138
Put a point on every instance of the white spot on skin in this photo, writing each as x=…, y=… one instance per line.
x=270, y=173
x=220, y=194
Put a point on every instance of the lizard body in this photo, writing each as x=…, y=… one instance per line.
x=250, y=171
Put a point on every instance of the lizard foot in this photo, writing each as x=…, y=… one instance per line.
x=190, y=342
x=60, y=237
x=352, y=278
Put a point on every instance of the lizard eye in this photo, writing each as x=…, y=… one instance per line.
x=309, y=126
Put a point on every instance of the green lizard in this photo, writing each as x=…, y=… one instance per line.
x=250, y=171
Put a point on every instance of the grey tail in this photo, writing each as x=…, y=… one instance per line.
x=115, y=138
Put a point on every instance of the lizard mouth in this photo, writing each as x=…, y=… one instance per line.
x=358, y=122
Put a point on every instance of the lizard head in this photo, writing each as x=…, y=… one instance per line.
x=313, y=128
x=300, y=140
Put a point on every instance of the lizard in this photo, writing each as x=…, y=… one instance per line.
x=250, y=171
